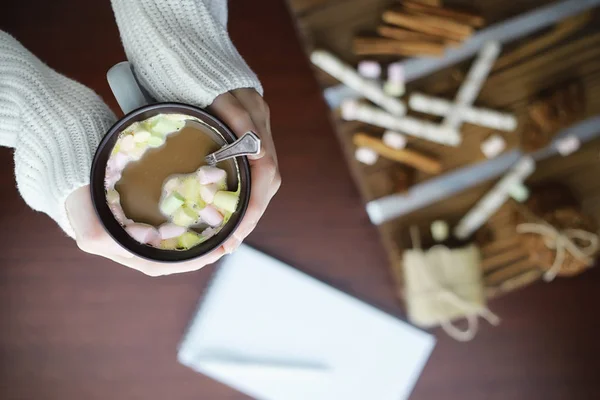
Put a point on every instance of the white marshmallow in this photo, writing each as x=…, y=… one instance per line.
x=349, y=109
x=394, y=140
x=141, y=136
x=127, y=143
x=171, y=185
x=207, y=175
x=169, y=231
x=369, y=69
x=142, y=233
x=493, y=146
x=568, y=145
x=366, y=155
x=207, y=192
x=211, y=216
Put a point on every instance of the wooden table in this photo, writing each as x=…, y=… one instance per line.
x=73, y=326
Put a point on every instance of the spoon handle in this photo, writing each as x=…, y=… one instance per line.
x=248, y=144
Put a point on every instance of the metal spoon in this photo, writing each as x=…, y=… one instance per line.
x=248, y=144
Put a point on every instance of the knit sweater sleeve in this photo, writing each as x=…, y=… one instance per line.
x=54, y=125
x=181, y=50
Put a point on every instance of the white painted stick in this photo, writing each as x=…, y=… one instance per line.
x=354, y=111
x=347, y=75
x=473, y=115
x=493, y=200
x=468, y=91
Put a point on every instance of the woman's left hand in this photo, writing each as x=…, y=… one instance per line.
x=245, y=110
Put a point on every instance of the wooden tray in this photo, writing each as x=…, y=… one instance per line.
x=331, y=25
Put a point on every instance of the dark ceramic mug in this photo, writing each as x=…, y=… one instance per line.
x=138, y=106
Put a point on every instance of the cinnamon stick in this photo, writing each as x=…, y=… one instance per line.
x=408, y=157
x=510, y=271
x=411, y=36
x=463, y=17
x=428, y=24
x=501, y=259
x=390, y=47
x=514, y=283
x=433, y=3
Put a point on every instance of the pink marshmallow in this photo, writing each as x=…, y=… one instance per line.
x=155, y=242
x=211, y=216
x=207, y=175
x=119, y=214
x=369, y=69
x=396, y=73
x=209, y=232
x=207, y=192
x=169, y=231
x=142, y=233
x=111, y=178
x=120, y=161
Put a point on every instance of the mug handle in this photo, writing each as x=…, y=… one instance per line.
x=126, y=88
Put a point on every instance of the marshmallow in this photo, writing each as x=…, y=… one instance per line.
x=113, y=197
x=211, y=216
x=142, y=233
x=127, y=143
x=369, y=69
x=120, y=160
x=567, y=145
x=519, y=192
x=207, y=175
x=141, y=136
x=395, y=89
x=207, y=192
x=366, y=155
x=119, y=214
x=394, y=140
x=171, y=185
x=169, y=231
x=396, y=73
x=439, y=230
x=493, y=146
x=349, y=109
x=111, y=178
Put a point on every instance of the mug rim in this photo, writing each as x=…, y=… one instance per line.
x=116, y=230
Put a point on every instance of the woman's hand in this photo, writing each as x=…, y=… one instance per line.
x=242, y=110
x=245, y=110
x=92, y=238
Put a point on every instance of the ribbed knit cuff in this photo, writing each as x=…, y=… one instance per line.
x=55, y=126
x=181, y=50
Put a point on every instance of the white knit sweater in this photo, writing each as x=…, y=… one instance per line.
x=179, y=48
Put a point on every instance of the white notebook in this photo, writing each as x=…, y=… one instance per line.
x=275, y=333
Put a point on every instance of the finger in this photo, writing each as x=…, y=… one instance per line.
x=90, y=235
x=260, y=115
x=152, y=268
x=264, y=170
x=229, y=110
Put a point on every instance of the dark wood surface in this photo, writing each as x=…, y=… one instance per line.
x=73, y=326
x=527, y=69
